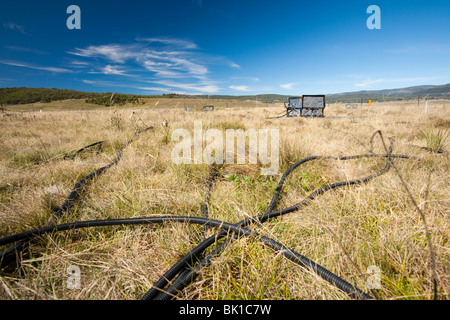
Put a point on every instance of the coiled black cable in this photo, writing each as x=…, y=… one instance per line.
x=188, y=274
x=183, y=263
x=158, y=287
x=239, y=229
x=226, y=227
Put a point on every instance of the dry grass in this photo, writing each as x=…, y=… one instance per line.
x=345, y=230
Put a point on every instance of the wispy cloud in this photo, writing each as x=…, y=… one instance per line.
x=15, y=27
x=154, y=89
x=109, y=70
x=171, y=65
x=113, y=70
x=112, y=52
x=24, y=49
x=240, y=88
x=107, y=84
x=254, y=79
x=369, y=82
x=179, y=43
x=192, y=87
x=288, y=86
x=401, y=81
x=174, y=64
x=79, y=64
x=29, y=66
x=163, y=62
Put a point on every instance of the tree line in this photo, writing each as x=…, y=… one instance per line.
x=33, y=95
x=114, y=99
x=22, y=95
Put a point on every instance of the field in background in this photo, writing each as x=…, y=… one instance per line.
x=147, y=103
x=345, y=230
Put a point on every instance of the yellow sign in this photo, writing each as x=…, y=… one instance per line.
x=278, y=105
x=370, y=103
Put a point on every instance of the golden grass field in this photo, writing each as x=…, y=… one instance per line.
x=345, y=230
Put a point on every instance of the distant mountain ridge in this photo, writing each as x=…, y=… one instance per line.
x=421, y=92
x=424, y=91
x=31, y=95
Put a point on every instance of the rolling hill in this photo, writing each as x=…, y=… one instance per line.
x=32, y=95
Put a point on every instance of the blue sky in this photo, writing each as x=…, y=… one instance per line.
x=224, y=46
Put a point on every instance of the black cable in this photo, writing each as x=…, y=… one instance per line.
x=212, y=176
x=227, y=227
x=11, y=255
x=238, y=229
x=285, y=114
x=182, y=263
x=162, y=282
x=439, y=151
x=193, y=257
x=199, y=249
x=100, y=143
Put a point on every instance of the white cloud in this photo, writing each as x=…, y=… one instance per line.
x=24, y=49
x=79, y=64
x=181, y=43
x=113, y=70
x=239, y=88
x=29, y=66
x=107, y=84
x=15, y=27
x=169, y=65
x=369, y=82
x=288, y=86
x=176, y=63
x=254, y=79
x=154, y=89
x=112, y=52
x=193, y=87
x=400, y=81
x=163, y=63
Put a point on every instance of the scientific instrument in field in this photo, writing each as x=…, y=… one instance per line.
x=306, y=106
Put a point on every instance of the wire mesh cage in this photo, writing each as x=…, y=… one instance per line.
x=306, y=106
x=293, y=106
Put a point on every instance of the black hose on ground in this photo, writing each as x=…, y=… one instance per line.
x=285, y=114
x=11, y=256
x=158, y=287
x=187, y=278
x=196, y=251
x=212, y=176
x=238, y=229
x=99, y=144
x=227, y=227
